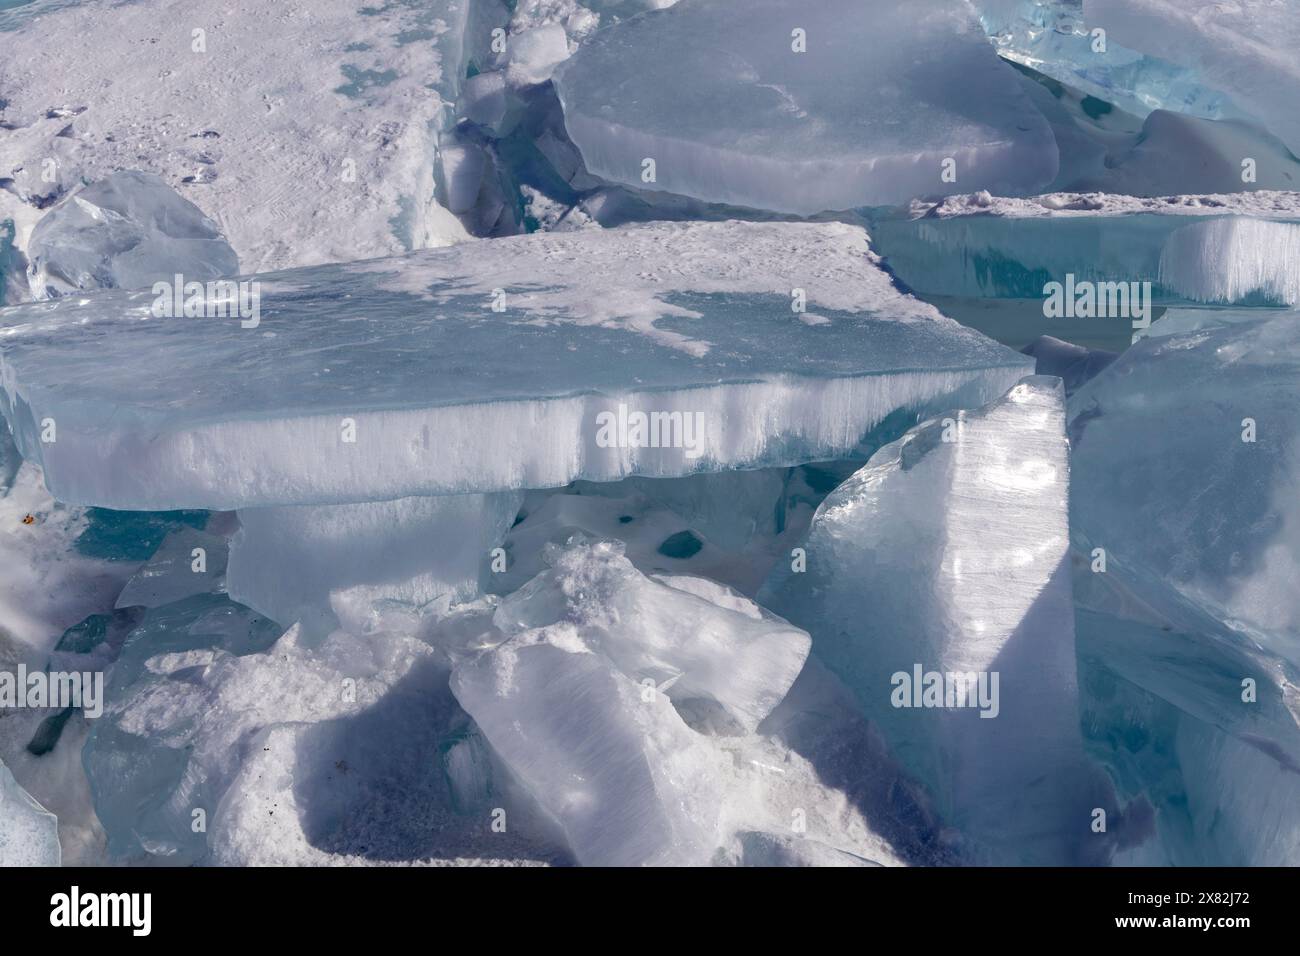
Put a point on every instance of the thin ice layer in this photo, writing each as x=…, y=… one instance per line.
x=397, y=377
x=946, y=554
x=731, y=111
x=1240, y=248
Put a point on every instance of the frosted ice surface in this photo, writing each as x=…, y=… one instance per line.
x=290, y=562
x=864, y=117
x=1185, y=455
x=126, y=231
x=441, y=394
x=1241, y=248
x=29, y=836
x=305, y=128
x=946, y=553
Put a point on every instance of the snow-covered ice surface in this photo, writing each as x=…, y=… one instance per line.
x=398, y=377
x=1239, y=248
x=894, y=586
x=306, y=130
x=127, y=231
x=737, y=114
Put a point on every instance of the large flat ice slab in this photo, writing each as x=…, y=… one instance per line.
x=397, y=377
x=1241, y=248
x=730, y=110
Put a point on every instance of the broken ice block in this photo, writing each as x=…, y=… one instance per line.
x=709, y=646
x=1240, y=248
x=936, y=578
x=127, y=231
x=1185, y=454
x=29, y=835
x=802, y=109
x=523, y=362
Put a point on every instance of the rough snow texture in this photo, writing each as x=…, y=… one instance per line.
x=443, y=394
x=126, y=231
x=730, y=113
x=306, y=131
x=978, y=585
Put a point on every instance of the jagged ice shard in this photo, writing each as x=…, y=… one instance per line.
x=898, y=588
x=800, y=109
x=29, y=835
x=488, y=366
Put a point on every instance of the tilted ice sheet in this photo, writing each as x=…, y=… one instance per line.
x=1186, y=452
x=946, y=554
x=1238, y=248
x=730, y=112
x=1247, y=49
x=396, y=377
x=306, y=130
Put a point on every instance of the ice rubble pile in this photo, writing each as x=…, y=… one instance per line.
x=638, y=531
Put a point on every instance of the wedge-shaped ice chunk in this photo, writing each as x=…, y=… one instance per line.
x=127, y=231
x=1239, y=248
x=400, y=377
x=664, y=632
x=802, y=109
x=936, y=578
x=308, y=137
x=1186, y=452
x=287, y=563
x=29, y=835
